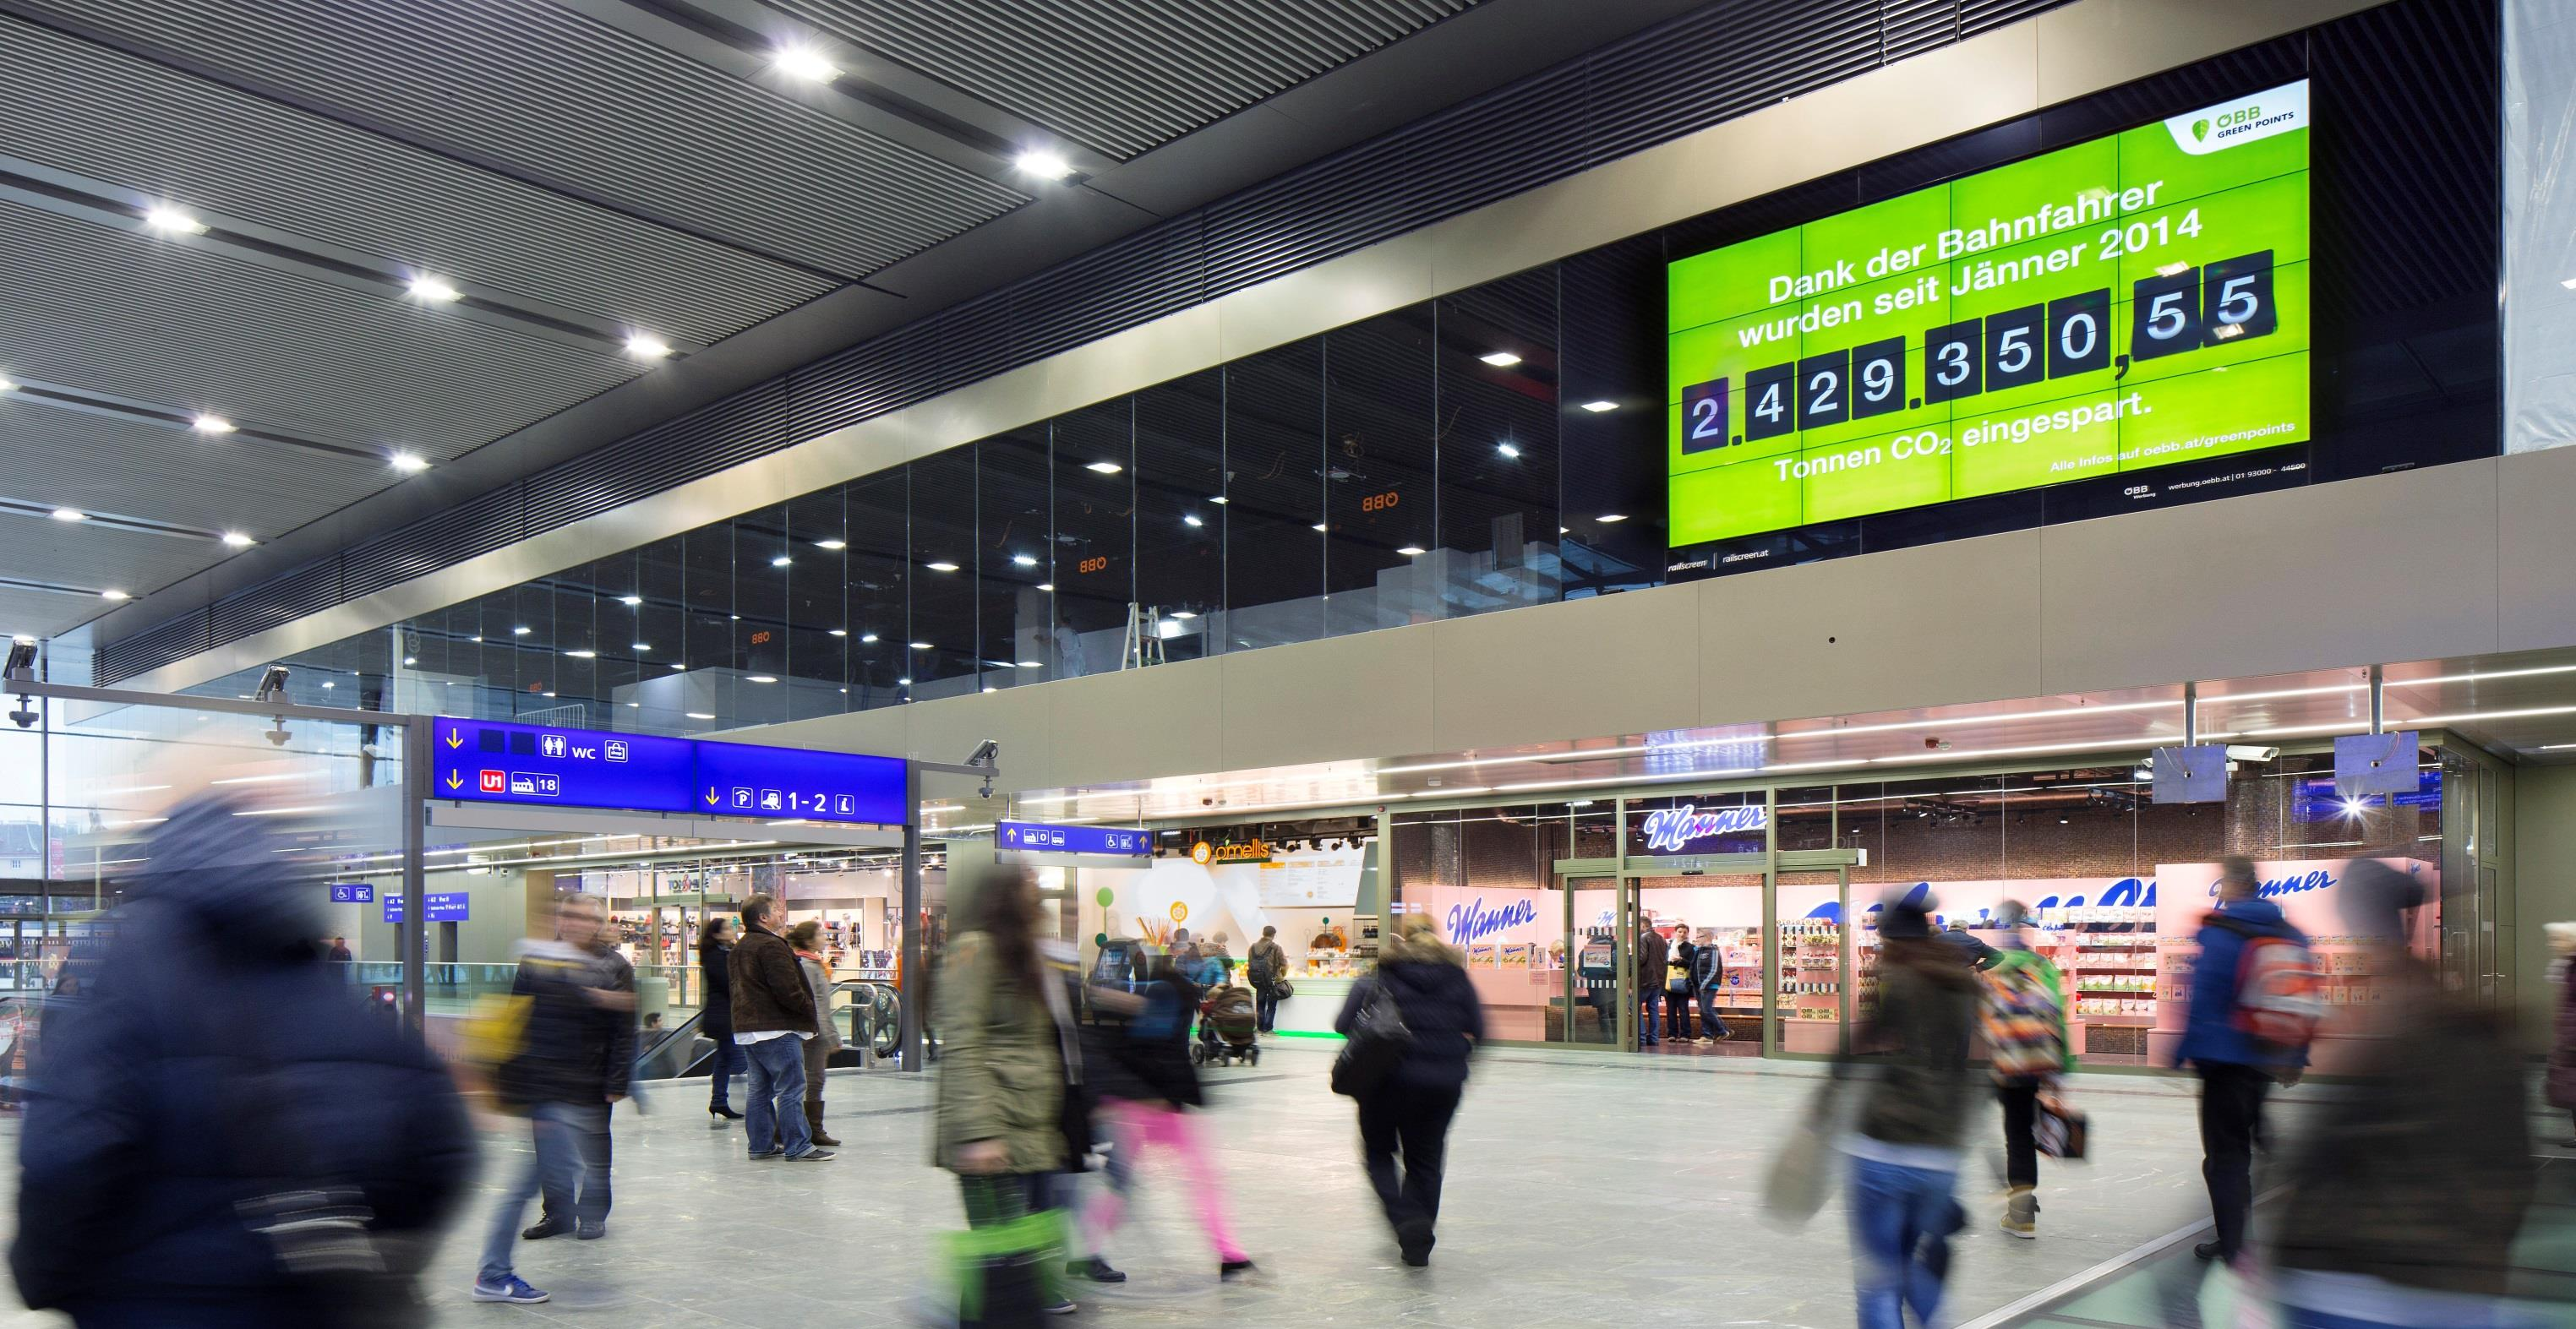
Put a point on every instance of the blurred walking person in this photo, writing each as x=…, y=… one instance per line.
x=2236, y=1071
x=1011, y=1054
x=807, y=940
x=1407, y=1116
x=1913, y=1113
x=220, y=1133
x=1146, y=1095
x=575, y=1056
x=2024, y=1016
x=773, y=1019
x=2562, y=1052
x=2405, y=1202
x=715, y=959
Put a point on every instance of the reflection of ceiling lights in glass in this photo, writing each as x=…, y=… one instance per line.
x=942, y=565
x=1219, y=500
x=630, y=601
x=840, y=632
x=583, y=655
x=1412, y=551
x=781, y=561
x=1032, y=664
x=700, y=715
x=1610, y=518
x=903, y=682
x=1500, y=359
x=1507, y=449
x=1104, y=468
x=922, y=646
x=1047, y=586
x=1597, y=407
x=521, y=632
x=867, y=638
x=831, y=544
x=642, y=646
x=1023, y=560
x=1191, y=519
x=760, y=678
x=1322, y=527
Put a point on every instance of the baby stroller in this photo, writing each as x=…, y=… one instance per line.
x=1228, y=1028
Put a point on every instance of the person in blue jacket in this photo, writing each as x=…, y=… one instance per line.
x=2236, y=1072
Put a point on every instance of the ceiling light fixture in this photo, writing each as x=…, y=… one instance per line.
x=1500, y=359
x=646, y=346
x=70, y=514
x=1104, y=468
x=583, y=655
x=923, y=646
x=804, y=64
x=1191, y=519
x=831, y=544
x=1611, y=518
x=1047, y=586
x=114, y=595
x=1597, y=407
x=943, y=565
x=699, y=715
x=1043, y=164
x=426, y=287
x=407, y=463
x=1023, y=560
x=171, y=221
x=6, y=385
x=1508, y=449
x=211, y=424
x=521, y=632
x=237, y=540
x=760, y=678
x=840, y=632
x=1412, y=551
x=781, y=561
x=867, y=638
x=630, y=601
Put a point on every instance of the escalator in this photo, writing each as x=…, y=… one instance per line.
x=871, y=1026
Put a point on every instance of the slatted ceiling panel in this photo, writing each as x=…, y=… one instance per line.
x=547, y=90
x=96, y=557
x=699, y=444
x=869, y=379
x=235, y=155
x=123, y=314
x=1499, y=146
x=176, y=639
x=1911, y=27
x=2424, y=236
x=461, y=532
x=1976, y=16
x=1720, y=62
x=101, y=463
x=1120, y=76
x=280, y=600
x=1330, y=208
x=1143, y=277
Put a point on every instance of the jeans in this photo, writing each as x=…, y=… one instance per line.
x=2231, y=1119
x=1604, y=1006
x=1415, y=1123
x=726, y=1063
x=775, y=1117
x=1266, y=1006
x=2021, y=1122
x=1901, y=1221
x=1648, y=1003
x=1710, y=1026
x=571, y=1140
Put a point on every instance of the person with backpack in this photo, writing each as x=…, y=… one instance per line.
x=2241, y=1037
x=1653, y=957
x=218, y=1119
x=1412, y=1089
x=2024, y=1016
x=1264, y=968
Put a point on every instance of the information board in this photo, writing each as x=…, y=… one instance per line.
x=437, y=906
x=1126, y=842
x=2130, y=302
x=490, y=761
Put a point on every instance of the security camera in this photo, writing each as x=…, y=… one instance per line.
x=2247, y=752
x=278, y=737
x=22, y=661
x=985, y=754
x=272, y=686
x=25, y=716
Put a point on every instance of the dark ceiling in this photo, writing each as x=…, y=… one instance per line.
x=260, y=261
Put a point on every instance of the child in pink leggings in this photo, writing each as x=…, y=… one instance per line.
x=1147, y=1086
x=1137, y=1128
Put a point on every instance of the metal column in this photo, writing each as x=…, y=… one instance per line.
x=413, y=935
x=914, y=1055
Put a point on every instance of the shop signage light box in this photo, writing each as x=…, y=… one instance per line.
x=2130, y=302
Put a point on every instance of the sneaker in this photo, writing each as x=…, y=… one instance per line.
x=1229, y=1268
x=514, y=1290
x=2021, y=1214
x=590, y=1232
x=551, y=1227
x=812, y=1156
x=1062, y=1306
x=1094, y=1269
x=765, y=1155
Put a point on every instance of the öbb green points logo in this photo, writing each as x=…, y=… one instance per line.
x=2199, y=130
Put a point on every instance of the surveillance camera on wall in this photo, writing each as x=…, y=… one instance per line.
x=2247, y=752
x=272, y=684
x=985, y=753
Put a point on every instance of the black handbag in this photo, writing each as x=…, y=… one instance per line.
x=1379, y=1039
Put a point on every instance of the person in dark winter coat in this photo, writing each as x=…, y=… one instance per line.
x=2236, y=1073
x=1146, y=1091
x=575, y=1059
x=1408, y=1116
x=773, y=1019
x=1653, y=957
x=715, y=955
x=2562, y=1054
x=212, y=1061
x=1905, y=1145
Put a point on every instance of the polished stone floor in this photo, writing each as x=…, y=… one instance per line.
x=1584, y=1189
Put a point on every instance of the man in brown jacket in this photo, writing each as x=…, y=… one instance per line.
x=773, y=1015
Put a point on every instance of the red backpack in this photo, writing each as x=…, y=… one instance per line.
x=2280, y=994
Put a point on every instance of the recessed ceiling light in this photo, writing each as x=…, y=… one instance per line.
x=1023, y=560
x=1104, y=468
x=1508, y=449
x=831, y=544
x=70, y=514
x=1412, y=551
x=643, y=646
x=6, y=385
x=407, y=463
x=476, y=640
x=583, y=655
x=2570, y=283
x=803, y=64
x=699, y=715
x=867, y=638
x=172, y=221
x=521, y=632
x=1609, y=517
x=1597, y=407
x=211, y=424
x=426, y=287
x=1191, y=519
x=1500, y=359
x=1322, y=527
x=327, y=685
x=634, y=705
x=760, y=678
x=1043, y=164
x=840, y=632
x=781, y=561
x=1219, y=500
x=114, y=595
x=646, y=346
x=237, y=540
x=1183, y=614
x=921, y=646
x=630, y=601
x=942, y=565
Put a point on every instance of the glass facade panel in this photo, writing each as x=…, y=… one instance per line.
x=1274, y=458
x=878, y=589
x=1379, y=467
x=944, y=662
x=1011, y=561
x=1095, y=543
x=1498, y=455
x=1180, y=524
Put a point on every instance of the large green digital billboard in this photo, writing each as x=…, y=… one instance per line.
x=2134, y=301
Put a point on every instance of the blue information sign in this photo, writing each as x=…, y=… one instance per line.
x=352, y=892
x=443, y=906
x=534, y=765
x=1041, y=838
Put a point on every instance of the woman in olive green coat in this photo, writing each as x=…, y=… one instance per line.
x=1007, y=1058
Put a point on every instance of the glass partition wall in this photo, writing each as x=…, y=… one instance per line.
x=1564, y=909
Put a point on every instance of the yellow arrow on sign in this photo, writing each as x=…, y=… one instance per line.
x=455, y=739
x=454, y=780
x=711, y=798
